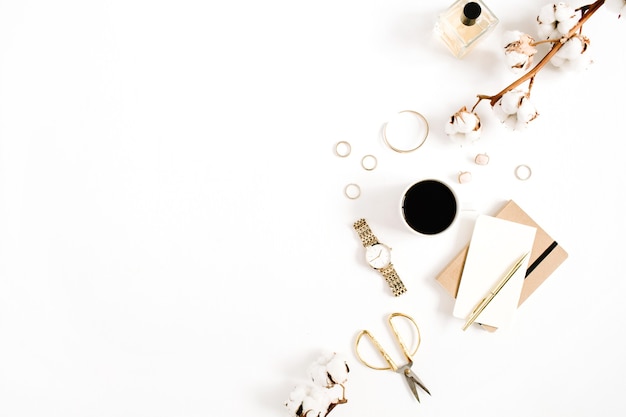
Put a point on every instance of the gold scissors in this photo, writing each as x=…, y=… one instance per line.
x=412, y=380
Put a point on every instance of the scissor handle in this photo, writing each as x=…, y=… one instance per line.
x=390, y=362
x=392, y=365
x=405, y=350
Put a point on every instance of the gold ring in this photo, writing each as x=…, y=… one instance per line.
x=420, y=140
x=343, y=148
x=352, y=191
x=523, y=172
x=369, y=162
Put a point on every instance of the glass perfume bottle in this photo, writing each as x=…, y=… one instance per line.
x=464, y=24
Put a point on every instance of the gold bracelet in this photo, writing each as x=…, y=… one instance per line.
x=421, y=139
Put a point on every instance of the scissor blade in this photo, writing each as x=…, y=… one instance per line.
x=413, y=381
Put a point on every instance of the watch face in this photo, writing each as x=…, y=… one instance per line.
x=378, y=256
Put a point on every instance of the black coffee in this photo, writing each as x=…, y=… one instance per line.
x=429, y=207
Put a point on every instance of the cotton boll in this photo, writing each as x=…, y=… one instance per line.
x=329, y=369
x=515, y=110
x=562, y=12
x=546, y=22
x=566, y=25
x=316, y=403
x=510, y=101
x=463, y=127
x=573, y=55
x=526, y=112
x=464, y=122
x=296, y=397
x=505, y=118
x=319, y=375
x=516, y=62
x=572, y=49
x=308, y=398
x=499, y=113
x=338, y=369
x=556, y=20
x=566, y=16
x=546, y=14
x=519, y=51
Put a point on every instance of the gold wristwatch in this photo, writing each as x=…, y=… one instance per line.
x=378, y=256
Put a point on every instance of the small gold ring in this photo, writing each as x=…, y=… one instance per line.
x=420, y=140
x=352, y=191
x=369, y=162
x=343, y=148
x=523, y=172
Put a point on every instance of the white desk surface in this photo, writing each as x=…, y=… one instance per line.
x=174, y=238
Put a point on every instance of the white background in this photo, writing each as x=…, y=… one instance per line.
x=174, y=238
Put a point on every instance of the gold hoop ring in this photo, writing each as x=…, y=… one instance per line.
x=352, y=191
x=421, y=139
x=343, y=148
x=369, y=166
x=525, y=173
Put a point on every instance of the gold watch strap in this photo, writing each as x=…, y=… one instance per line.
x=389, y=273
x=393, y=280
x=365, y=233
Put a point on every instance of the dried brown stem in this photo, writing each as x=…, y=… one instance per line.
x=545, y=41
x=586, y=12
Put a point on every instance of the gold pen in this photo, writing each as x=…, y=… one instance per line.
x=485, y=301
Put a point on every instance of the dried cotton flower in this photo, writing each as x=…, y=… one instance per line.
x=464, y=127
x=515, y=109
x=329, y=369
x=318, y=399
x=572, y=55
x=555, y=20
x=309, y=401
x=518, y=51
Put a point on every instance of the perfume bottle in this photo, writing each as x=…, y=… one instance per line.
x=464, y=24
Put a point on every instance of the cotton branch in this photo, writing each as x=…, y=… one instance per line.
x=586, y=12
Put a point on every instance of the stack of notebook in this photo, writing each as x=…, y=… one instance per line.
x=545, y=257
